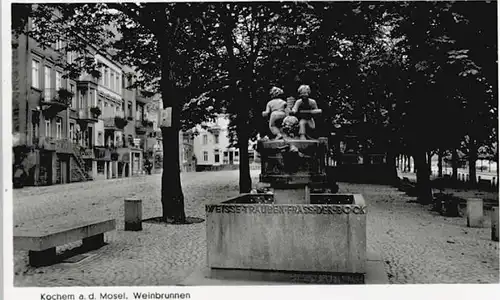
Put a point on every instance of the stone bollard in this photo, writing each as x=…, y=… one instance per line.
x=475, y=216
x=133, y=214
x=494, y=224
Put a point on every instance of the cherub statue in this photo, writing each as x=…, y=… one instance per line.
x=276, y=110
x=305, y=108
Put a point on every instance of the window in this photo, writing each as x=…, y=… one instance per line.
x=205, y=139
x=47, y=83
x=35, y=74
x=129, y=109
x=100, y=167
x=138, y=112
x=71, y=56
x=205, y=155
x=112, y=81
x=236, y=153
x=72, y=132
x=91, y=98
x=216, y=139
x=106, y=77
x=34, y=133
x=58, y=80
x=47, y=128
x=81, y=101
x=226, y=157
x=101, y=78
x=59, y=128
x=34, y=128
x=100, y=138
x=73, y=98
x=118, y=82
x=216, y=156
x=99, y=104
x=58, y=45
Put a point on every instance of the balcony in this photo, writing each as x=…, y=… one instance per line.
x=54, y=101
x=141, y=127
x=115, y=123
x=89, y=114
x=215, y=130
x=87, y=153
x=61, y=145
x=103, y=154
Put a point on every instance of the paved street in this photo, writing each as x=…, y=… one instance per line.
x=417, y=246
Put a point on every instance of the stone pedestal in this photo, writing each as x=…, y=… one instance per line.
x=494, y=224
x=245, y=235
x=133, y=214
x=475, y=217
x=298, y=231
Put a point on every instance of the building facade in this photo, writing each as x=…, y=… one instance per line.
x=212, y=148
x=72, y=129
x=44, y=152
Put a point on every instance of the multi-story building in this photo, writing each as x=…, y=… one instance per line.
x=71, y=129
x=44, y=152
x=212, y=148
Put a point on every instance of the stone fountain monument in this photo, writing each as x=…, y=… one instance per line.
x=290, y=229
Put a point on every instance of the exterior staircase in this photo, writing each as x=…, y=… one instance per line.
x=78, y=169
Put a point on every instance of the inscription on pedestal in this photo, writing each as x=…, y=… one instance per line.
x=286, y=209
x=287, y=237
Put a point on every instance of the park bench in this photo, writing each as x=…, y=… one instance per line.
x=42, y=242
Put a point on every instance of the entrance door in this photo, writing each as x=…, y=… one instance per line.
x=64, y=171
x=231, y=157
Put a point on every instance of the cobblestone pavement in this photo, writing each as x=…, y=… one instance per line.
x=417, y=246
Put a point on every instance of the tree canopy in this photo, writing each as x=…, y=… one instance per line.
x=417, y=76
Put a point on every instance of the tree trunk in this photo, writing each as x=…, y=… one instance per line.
x=391, y=162
x=404, y=163
x=424, y=192
x=245, y=182
x=172, y=198
x=408, y=162
x=472, y=161
x=429, y=161
x=454, y=165
x=440, y=163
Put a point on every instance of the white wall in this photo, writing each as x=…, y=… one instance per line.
x=211, y=146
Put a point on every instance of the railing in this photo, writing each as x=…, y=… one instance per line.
x=63, y=145
x=77, y=153
x=86, y=114
x=87, y=153
x=61, y=96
